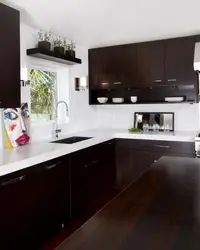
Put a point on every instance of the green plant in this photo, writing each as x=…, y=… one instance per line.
x=43, y=92
x=58, y=41
x=66, y=44
x=72, y=45
x=45, y=36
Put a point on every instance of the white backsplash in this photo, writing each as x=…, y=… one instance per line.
x=122, y=116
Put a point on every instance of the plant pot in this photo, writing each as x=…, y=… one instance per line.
x=44, y=45
x=59, y=50
x=70, y=53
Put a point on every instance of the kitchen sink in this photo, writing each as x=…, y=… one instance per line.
x=72, y=140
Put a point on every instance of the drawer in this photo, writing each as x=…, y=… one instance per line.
x=162, y=146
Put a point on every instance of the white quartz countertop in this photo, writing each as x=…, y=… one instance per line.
x=26, y=156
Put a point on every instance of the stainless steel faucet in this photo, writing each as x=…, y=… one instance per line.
x=57, y=130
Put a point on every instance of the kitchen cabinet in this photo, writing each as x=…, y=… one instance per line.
x=149, y=70
x=35, y=204
x=107, y=161
x=10, y=57
x=179, y=67
x=51, y=197
x=15, y=212
x=134, y=157
x=84, y=170
x=92, y=172
x=112, y=67
x=150, y=63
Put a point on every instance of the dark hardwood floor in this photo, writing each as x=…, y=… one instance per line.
x=159, y=211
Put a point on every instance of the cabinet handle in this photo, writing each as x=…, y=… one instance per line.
x=95, y=162
x=161, y=146
x=109, y=143
x=158, y=80
x=12, y=181
x=104, y=83
x=171, y=80
x=117, y=83
x=91, y=164
x=52, y=166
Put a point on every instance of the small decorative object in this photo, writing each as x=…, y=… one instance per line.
x=70, y=48
x=16, y=126
x=174, y=99
x=134, y=99
x=44, y=39
x=117, y=100
x=102, y=99
x=58, y=45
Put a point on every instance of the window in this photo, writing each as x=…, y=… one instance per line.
x=43, y=93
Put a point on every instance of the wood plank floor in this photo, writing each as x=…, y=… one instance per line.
x=160, y=211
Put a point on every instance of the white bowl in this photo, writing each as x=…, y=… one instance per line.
x=102, y=99
x=133, y=98
x=118, y=100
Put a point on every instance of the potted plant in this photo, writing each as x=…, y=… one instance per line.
x=70, y=49
x=44, y=39
x=58, y=45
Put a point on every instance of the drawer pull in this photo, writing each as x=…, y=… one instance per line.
x=117, y=83
x=161, y=146
x=53, y=165
x=171, y=80
x=12, y=181
x=95, y=162
x=104, y=83
x=158, y=80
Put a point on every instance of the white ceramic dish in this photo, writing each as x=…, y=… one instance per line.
x=117, y=100
x=134, y=99
x=174, y=99
x=102, y=99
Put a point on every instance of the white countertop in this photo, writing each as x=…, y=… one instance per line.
x=35, y=153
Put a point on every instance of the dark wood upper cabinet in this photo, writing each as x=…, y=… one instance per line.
x=112, y=67
x=179, y=61
x=150, y=63
x=10, y=57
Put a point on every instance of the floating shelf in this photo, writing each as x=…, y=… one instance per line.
x=52, y=56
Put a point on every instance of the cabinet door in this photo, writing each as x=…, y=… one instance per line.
x=130, y=163
x=15, y=213
x=150, y=63
x=179, y=61
x=50, y=193
x=112, y=67
x=84, y=179
x=107, y=165
x=10, y=57
x=100, y=73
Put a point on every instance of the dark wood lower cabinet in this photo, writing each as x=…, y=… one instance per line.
x=34, y=204
x=134, y=157
x=50, y=191
x=92, y=172
x=16, y=228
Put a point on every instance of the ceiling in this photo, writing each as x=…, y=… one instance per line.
x=96, y=23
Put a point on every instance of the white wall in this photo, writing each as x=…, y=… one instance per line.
x=122, y=116
x=83, y=116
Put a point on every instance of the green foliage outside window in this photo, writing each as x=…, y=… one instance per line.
x=43, y=94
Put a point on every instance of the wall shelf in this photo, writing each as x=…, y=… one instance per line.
x=52, y=56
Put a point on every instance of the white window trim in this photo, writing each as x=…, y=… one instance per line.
x=46, y=66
